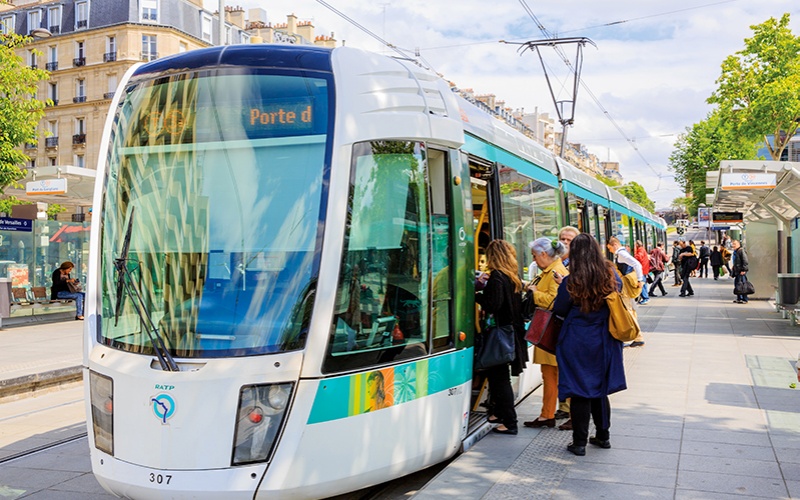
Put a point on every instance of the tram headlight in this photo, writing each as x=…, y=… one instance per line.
x=101, y=389
x=259, y=417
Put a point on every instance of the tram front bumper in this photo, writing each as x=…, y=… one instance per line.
x=132, y=481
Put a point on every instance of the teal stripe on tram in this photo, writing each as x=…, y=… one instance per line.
x=350, y=395
x=585, y=193
x=492, y=153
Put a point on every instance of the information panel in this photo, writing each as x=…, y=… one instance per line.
x=725, y=218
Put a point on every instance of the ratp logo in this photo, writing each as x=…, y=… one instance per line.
x=163, y=406
x=748, y=177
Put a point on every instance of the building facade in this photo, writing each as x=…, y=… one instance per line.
x=92, y=43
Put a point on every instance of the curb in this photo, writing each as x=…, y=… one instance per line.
x=40, y=381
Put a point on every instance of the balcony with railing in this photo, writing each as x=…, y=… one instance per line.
x=34, y=66
x=51, y=142
x=30, y=145
x=82, y=24
x=51, y=66
x=79, y=61
x=54, y=102
x=78, y=139
x=110, y=56
x=79, y=98
x=108, y=95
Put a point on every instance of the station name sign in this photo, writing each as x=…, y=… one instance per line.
x=741, y=180
x=14, y=224
x=725, y=218
x=49, y=186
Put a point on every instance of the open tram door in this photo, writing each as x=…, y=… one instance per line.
x=488, y=226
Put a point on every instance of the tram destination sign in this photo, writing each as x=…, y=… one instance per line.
x=13, y=224
x=726, y=218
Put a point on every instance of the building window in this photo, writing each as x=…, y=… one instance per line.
x=34, y=20
x=206, y=26
x=182, y=47
x=149, y=48
x=80, y=123
x=52, y=140
x=32, y=58
x=79, y=161
x=81, y=15
x=245, y=37
x=80, y=90
x=149, y=10
x=111, y=49
x=32, y=163
x=80, y=55
x=53, y=161
x=112, y=86
x=228, y=35
x=52, y=64
x=54, y=20
x=53, y=93
x=7, y=25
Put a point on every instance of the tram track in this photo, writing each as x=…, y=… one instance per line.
x=44, y=447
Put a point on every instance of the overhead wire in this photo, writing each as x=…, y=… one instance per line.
x=594, y=98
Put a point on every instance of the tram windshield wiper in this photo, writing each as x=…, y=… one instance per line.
x=128, y=286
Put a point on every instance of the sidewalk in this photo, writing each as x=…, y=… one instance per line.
x=708, y=414
x=36, y=355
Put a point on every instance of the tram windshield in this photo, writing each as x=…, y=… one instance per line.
x=225, y=171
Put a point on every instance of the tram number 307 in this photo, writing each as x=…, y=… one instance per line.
x=160, y=478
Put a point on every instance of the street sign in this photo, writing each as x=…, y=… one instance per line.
x=46, y=186
x=742, y=180
x=14, y=224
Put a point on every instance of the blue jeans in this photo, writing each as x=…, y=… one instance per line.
x=644, y=295
x=77, y=296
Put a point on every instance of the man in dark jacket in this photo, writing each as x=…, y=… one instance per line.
x=705, y=253
x=740, y=269
x=688, y=261
x=676, y=262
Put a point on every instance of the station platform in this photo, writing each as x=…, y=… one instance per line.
x=708, y=414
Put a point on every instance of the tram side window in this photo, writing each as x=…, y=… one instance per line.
x=517, y=194
x=619, y=227
x=382, y=297
x=576, y=212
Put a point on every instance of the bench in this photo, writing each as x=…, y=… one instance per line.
x=36, y=302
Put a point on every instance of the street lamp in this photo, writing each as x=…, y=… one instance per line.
x=41, y=33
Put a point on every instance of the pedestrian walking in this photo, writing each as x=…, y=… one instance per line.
x=589, y=358
x=704, y=254
x=740, y=268
x=657, y=260
x=688, y=259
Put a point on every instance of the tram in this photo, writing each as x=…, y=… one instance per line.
x=281, y=302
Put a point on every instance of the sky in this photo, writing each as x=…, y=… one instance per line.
x=647, y=80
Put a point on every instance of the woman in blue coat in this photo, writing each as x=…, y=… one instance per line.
x=589, y=358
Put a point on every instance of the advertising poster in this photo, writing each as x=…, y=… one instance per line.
x=18, y=274
x=704, y=217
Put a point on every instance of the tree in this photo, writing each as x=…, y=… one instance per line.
x=701, y=149
x=637, y=194
x=681, y=205
x=20, y=111
x=759, y=89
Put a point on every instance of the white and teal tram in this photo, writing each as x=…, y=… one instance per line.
x=283, y=253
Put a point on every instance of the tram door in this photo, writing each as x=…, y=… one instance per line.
x=486, y=216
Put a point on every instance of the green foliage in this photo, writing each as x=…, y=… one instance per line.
x=681, y=205
x=608, y=181
x=637, y=194
x=6, y=204
x=700, y=149
x=20, y=111
x=758, y=91
x=53, y=210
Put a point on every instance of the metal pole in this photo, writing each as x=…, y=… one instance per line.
x=221, y=22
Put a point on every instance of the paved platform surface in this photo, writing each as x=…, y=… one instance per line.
x=708, y=414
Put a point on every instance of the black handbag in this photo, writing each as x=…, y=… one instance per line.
x=495, y=347
x=743, y=287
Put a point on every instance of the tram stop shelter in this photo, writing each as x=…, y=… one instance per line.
x=767, y=194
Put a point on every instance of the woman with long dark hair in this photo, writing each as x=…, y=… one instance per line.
x=501, y=298
x=589, y=358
